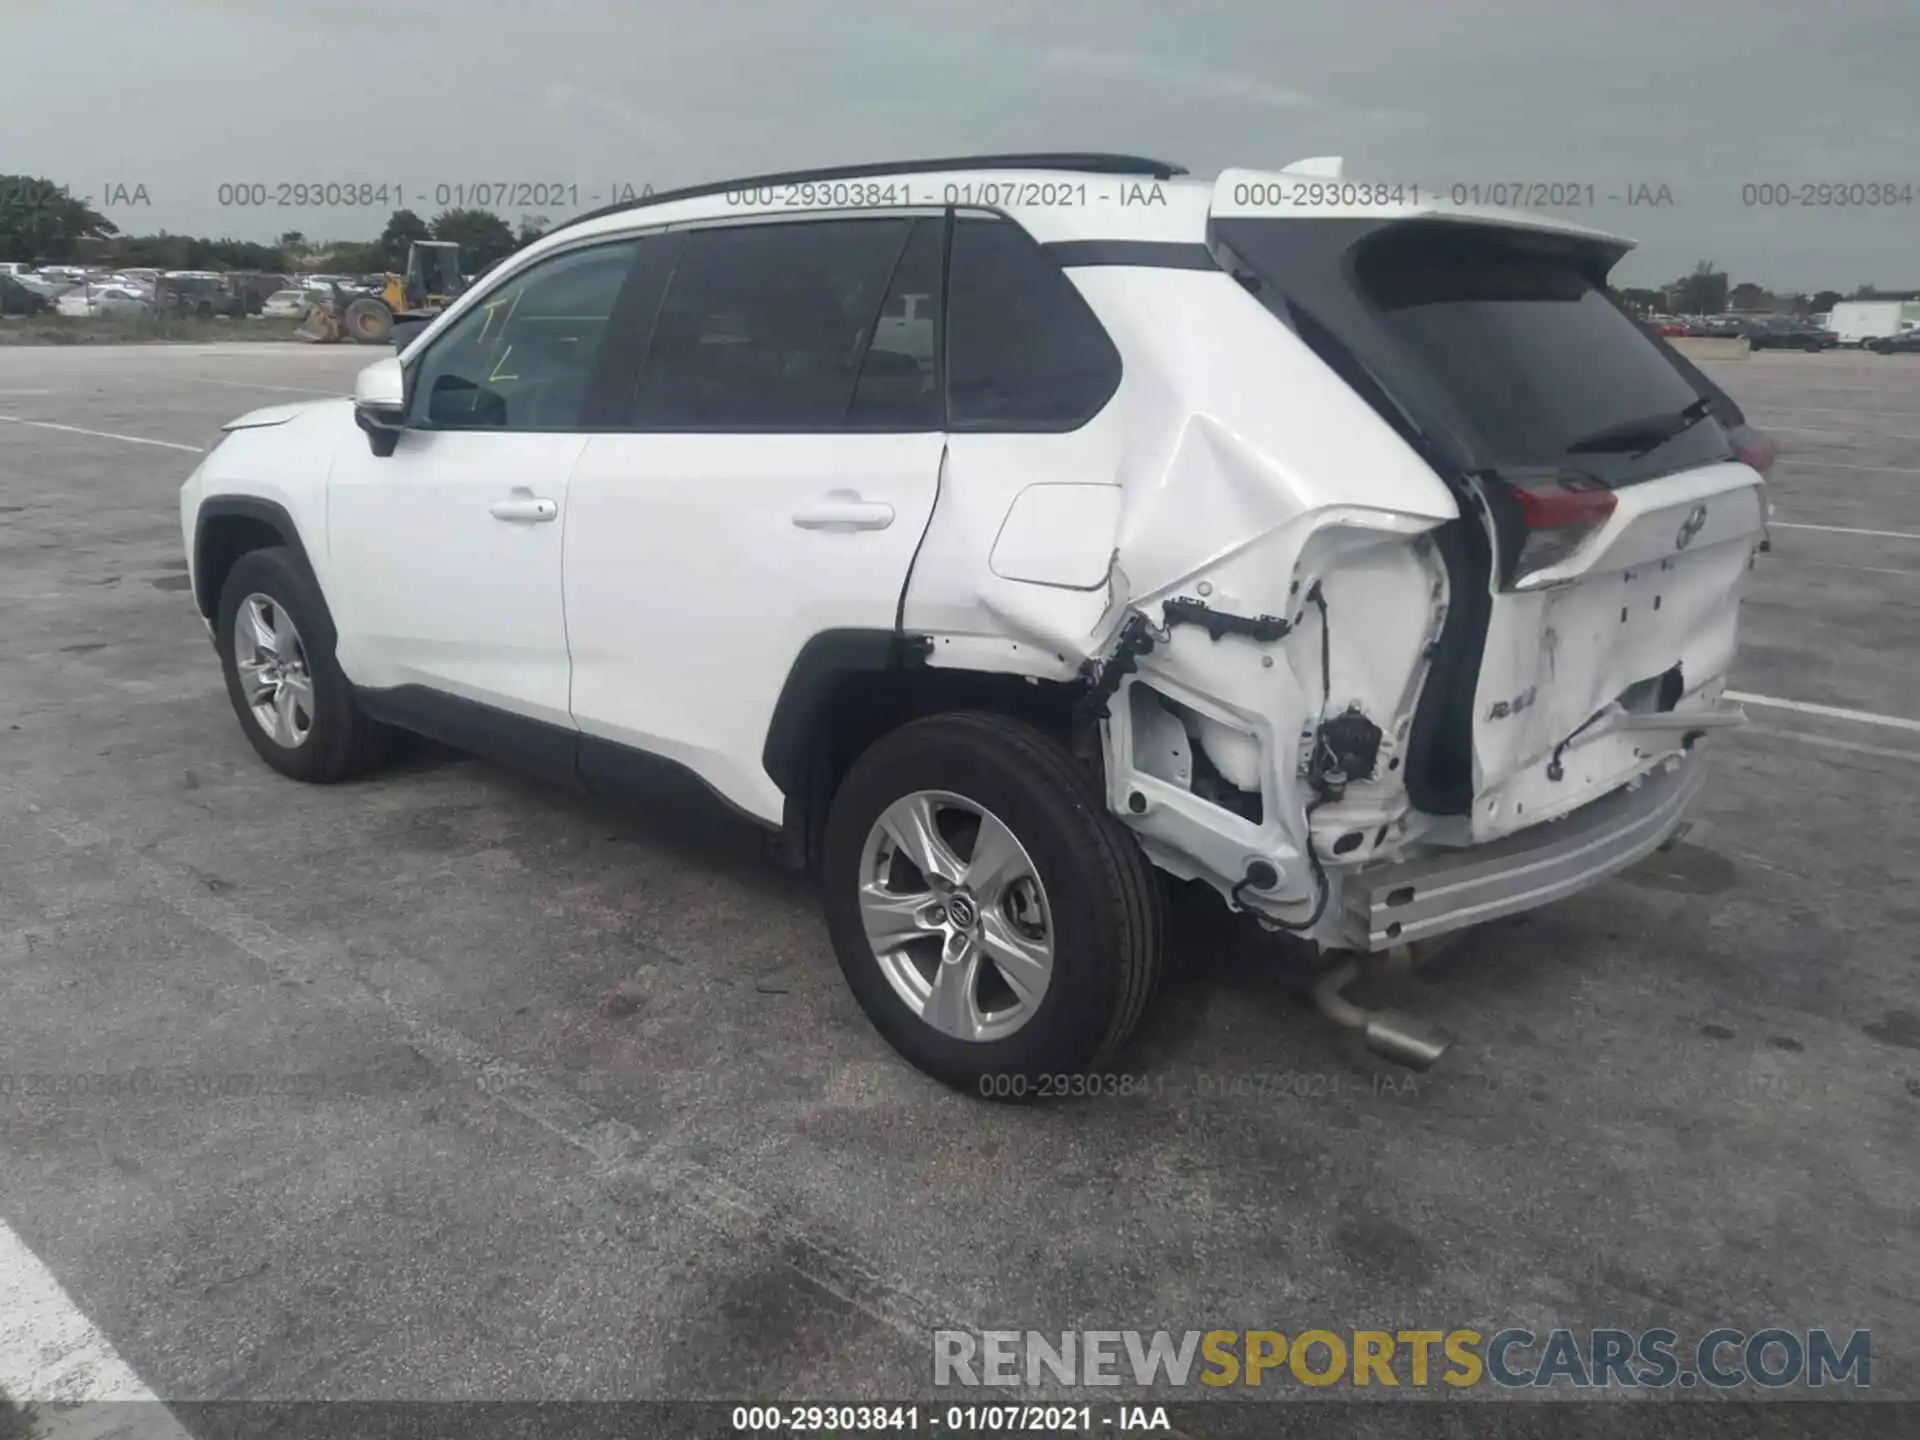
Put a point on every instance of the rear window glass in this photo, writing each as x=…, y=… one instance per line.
x=1531, y=353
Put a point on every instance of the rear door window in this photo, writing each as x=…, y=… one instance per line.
x=769, y=327
x=899, y=384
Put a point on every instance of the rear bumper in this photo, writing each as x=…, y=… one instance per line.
x=1410, y=900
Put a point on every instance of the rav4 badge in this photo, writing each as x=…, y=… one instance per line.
x=1503, y=708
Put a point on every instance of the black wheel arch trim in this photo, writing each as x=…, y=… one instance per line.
x=250, y=507
x=822, y=662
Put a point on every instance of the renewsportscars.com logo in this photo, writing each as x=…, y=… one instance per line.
x=1514, y=1358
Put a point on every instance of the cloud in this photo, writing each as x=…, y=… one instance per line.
x=648, y=128
x=1132, y=65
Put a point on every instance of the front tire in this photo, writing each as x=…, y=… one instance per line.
x=997, y=924
x=369, y=322
x=276, y=650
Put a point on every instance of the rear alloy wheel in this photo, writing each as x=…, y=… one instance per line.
x=967, y=944
x=995, y=922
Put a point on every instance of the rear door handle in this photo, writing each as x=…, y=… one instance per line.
x=525, y=507
x=844, y=510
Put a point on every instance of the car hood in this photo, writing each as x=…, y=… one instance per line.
x=276, y=414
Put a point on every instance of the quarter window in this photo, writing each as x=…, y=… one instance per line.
x=1024, y=351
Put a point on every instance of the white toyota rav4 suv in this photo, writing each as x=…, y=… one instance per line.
x=999, y=530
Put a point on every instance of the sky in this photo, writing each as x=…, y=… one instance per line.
x=150, y=108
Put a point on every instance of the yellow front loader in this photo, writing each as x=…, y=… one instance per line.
x=432, y=279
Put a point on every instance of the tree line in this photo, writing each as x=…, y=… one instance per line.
x=41, y=224
x=1706, y=290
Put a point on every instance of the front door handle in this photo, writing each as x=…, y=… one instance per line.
x=524, y=506
x=844, y=510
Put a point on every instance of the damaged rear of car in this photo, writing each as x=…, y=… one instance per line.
x=1448, y=645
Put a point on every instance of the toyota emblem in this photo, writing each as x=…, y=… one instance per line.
x=1695, y=522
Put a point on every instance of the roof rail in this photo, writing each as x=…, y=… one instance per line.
x=1092, y=163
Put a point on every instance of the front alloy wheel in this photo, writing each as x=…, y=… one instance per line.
x=275, y=643
x=956, y=915
x=272, y=664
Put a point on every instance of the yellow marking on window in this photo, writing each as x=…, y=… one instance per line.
x=496, y=375
x=489, y=307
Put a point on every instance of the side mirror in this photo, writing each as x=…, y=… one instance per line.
x=380, y=404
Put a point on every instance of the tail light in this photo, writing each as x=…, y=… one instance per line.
x=1753, y=447
x=1560, y=517
x=1758, y=451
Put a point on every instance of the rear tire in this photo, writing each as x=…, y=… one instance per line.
x=317, y=732
x=1082, y=889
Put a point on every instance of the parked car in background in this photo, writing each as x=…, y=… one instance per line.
x=1907, y=342
x=198, y=293
x=91, y=301
x=41, y=285
x=255, y=287
x=18, y=299
x=1709, y=326
x=126, y=282
x=15, y=268
x=286, y=305
x=1785, y=333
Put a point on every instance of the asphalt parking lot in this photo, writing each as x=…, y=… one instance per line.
x=456, y=1088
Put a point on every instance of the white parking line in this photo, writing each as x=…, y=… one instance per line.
x=1866, y=569
x=1809, y=430
x=51, y=1354
x=1832, y=712
x=1827, y=742
x=102, y=434
x=1836, y=465
x=255, y=385
x=1835, y=410
x=1842, y=530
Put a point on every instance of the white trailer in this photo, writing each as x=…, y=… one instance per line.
x=1858, y=321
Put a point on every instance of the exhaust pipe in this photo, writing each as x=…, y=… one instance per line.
x=1390, y=1036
